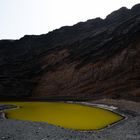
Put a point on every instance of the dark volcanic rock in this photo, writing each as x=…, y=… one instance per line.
x=94, y=59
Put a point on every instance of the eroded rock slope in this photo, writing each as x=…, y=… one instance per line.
x=94, y=59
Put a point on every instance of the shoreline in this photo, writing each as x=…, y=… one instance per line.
x=102, y=106
x=126, y=129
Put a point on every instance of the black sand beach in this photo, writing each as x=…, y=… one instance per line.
x=127, y=129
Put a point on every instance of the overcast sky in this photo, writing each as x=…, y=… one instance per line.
x=20, y=17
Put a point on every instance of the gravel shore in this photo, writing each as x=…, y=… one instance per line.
x=127, y=129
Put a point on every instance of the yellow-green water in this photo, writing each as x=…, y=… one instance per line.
x=73, y=116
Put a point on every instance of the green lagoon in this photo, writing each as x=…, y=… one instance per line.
x=67, y=115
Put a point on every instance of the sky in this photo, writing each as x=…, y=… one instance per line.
x=21, y=17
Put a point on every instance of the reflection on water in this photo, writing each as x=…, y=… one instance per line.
x=73, y=116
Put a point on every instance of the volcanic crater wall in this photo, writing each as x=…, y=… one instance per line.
x=90, y=60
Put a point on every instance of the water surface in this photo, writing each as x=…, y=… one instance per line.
x=73, y=116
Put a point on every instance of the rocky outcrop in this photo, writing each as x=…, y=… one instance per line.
x=94, y=59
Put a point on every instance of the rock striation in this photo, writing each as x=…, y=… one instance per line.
x=99, y=58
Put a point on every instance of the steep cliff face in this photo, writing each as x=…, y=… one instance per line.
x=94, y=59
